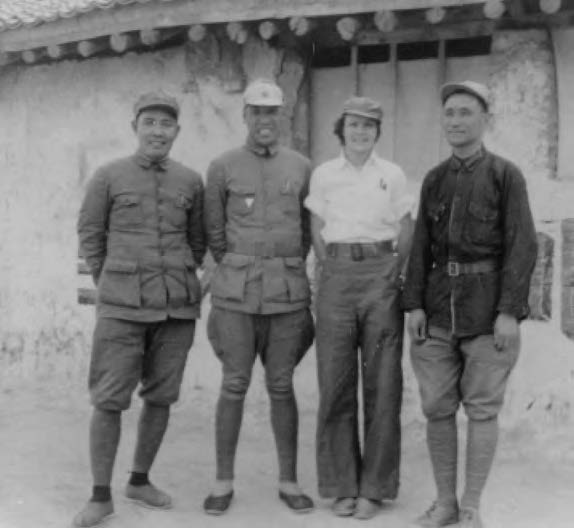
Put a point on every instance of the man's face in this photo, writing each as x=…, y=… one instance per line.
x=156, y=130
x=262, y=124
x=464, y=120
x=360, y=133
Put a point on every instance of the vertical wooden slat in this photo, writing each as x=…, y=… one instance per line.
x=355, y=69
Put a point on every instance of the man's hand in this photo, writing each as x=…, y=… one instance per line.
x=506, y=332
x=417, y=325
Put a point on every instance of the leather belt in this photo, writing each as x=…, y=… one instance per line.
x=454, y=269
x=359, y=250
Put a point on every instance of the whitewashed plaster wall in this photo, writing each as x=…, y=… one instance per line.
x=59, y=122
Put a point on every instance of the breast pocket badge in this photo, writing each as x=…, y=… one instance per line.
x=383, y=184
x=249, y=201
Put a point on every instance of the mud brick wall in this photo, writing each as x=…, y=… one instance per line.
x=540, y=298
x=567, y=321
x=60, y=121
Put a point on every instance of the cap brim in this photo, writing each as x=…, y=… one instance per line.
x=362, y=114
x=449, y=89
x=168, y=108
x=263, y=103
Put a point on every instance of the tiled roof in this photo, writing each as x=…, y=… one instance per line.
x=18, y=13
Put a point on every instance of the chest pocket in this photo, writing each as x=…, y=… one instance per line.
x=289, y=197
x=179, y=207
x=126, y=211
x=482, y=226
x=240, y=201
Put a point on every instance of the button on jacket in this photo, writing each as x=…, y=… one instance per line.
x=258, y=229
x=141, y=233
x=472, y=210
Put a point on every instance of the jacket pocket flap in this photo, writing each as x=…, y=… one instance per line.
x=121, y=266
x=235, y=260
x=293, y=262
x=128, y=199
x=242, y=190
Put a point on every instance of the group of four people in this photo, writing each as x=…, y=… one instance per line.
x=144, y=227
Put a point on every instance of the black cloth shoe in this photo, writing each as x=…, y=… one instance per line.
x=298, y=503
x=217, y=504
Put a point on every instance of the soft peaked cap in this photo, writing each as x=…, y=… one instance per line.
x=157, y=100
x=476, y=89
x=263, y=92
x=363, y=106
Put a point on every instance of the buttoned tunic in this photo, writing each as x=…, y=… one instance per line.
x=471, y=210
x=141, y=233
x=258, y=229
x=359, y=205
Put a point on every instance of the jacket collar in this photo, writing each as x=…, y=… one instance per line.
x=467, y=164
x=259, y=150
x=143, y=161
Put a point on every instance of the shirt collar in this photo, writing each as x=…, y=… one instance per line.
x=343, y=162
x=146, y=163
x=263, y=151
x=469, y=163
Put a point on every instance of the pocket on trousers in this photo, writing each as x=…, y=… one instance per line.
x=119, y=283
x=297, y=281
x=228, y=281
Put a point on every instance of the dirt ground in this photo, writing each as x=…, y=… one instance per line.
x=45, y=475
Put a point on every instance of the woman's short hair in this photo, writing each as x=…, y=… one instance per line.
x=339, y=125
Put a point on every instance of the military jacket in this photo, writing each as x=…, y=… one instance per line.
x=258, y=229
x=472, y=210
x=141, y=233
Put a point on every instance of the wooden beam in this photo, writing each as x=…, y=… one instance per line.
x=385, y=21
x=102, y=22
x=550, y=6
x=87, y=48
x=494, y=9
x=31, y=56
x=121, y=42
x=268, y=29
x=301, y=25
x=7, y=58
x=237, y=32
x=55, y=51
x=196, y=32
x=435, y=15
x=369, y=37
x=150, y=37
x=348, y=27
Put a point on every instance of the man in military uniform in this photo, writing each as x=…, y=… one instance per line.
x=141, y=233
x=259, y=234
x=466, y=289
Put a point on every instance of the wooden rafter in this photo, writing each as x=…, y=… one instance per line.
x=183, y=13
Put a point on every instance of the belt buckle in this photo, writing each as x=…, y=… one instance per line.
x=357, y=252
x=453, y=269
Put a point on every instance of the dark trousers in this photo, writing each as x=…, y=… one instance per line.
x=358, y=309
x=280, y=340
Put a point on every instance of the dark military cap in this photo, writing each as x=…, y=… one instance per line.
x=157, y=100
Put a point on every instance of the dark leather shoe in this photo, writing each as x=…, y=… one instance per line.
x=217, y=504
x=298, y=503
